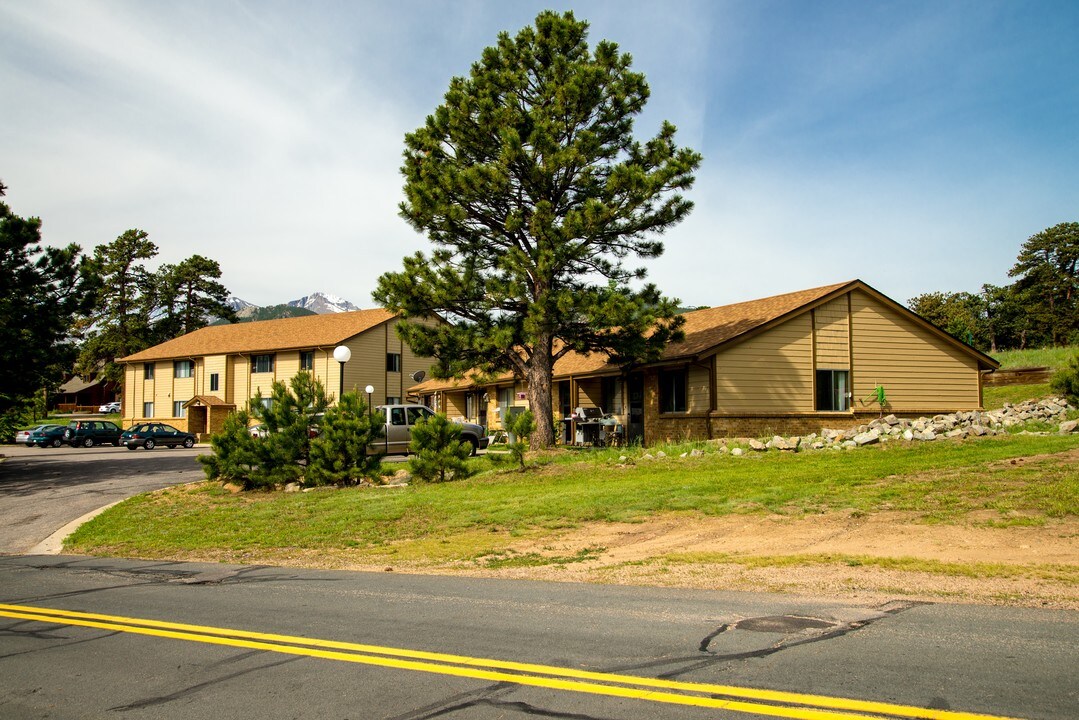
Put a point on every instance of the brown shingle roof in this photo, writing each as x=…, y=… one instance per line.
x=705, y=329
x=709, y=328
x=309, y=331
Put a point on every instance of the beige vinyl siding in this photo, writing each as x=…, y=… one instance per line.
x=366, y=367
x=239, y=390
x=395, y=381
x=183, y=389
x=410, y=361
x=769, y=373
x=697, y=389
x=209, y=365
x=589, y=393
x=455, y=405
x=162, y=392
x=286, y=365
x=920, y=370
x=832, y=332
x=132, y=391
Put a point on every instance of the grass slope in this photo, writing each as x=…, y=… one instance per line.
x=941, y=482
x=1053, y=357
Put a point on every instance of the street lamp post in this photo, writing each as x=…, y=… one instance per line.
x=342, y=354
x=369, y=389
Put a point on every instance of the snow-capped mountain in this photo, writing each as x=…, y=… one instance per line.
x=237, y=304
x=322, y=303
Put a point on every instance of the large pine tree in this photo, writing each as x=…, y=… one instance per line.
x=531, y=186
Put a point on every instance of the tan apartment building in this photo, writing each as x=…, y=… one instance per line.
x=195, y=380
x=791, y=363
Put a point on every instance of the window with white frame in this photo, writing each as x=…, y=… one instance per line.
x=148, y=409
x=183, y=368
x=307, y=360
x=148, y=371
x=178, y=409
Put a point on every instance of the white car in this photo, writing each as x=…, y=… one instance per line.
x=113, y=407
x=22, y=437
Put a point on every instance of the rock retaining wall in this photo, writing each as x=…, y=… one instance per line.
x=1052, y=411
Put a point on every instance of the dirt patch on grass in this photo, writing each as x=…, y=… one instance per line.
x=837, y=554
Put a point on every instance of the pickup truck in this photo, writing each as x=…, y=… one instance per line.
x=399, y=422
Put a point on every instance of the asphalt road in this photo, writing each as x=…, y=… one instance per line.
x=306, y=663
x=43, y=489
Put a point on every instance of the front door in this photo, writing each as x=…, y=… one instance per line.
x=635, y=420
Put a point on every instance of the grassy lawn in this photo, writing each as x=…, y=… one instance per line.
x=940, y=482
x=1054, y=357
x=994, y=397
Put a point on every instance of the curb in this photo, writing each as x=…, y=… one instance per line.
x=54, y=544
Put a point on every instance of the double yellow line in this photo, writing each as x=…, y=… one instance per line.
x=772, y=703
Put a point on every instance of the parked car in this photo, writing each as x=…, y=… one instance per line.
x=22, y=437
x=107, y=408
x=48, y=436
x=398, y=430
x=258, y=431
x=150, y=435
x=88, y=433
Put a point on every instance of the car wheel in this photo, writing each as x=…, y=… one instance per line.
x=189, y=443
x=475, y=446
x=149, y=445
x=56, y=442
x=29, y=444
x=88, y=442
x=132, y=447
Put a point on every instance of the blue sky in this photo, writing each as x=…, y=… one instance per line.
x=912, y=145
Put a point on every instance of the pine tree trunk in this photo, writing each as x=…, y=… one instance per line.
x=540, y=372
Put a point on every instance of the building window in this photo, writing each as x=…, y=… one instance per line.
x=215, y=382
x=147, y=409
x=611, y=395
x=183, y=368
x=391, y=400
x=148, y=371
x=307, y=361
x=833, y=390
x=267, y=403
x=178, y=409
x=672, y=391
x=470, y=406
x=505, y=399
x=262, y=364
x=393, y=362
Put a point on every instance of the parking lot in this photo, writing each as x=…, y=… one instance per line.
x=43, y=489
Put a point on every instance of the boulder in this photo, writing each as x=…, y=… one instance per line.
x=737, y=452
x=757, y=445
x=867, y=438
x=1069, y=426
